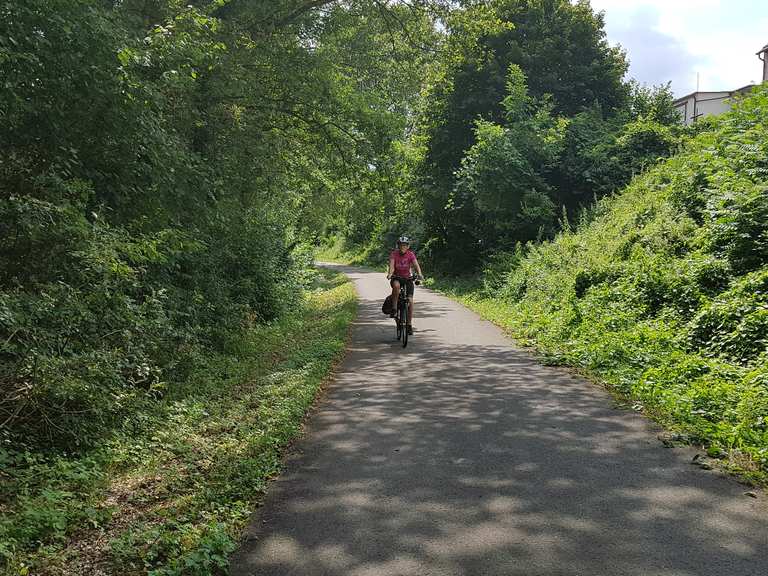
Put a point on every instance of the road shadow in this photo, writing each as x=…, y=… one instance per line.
x=476, y=460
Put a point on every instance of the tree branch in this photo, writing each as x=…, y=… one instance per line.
x=301, y=10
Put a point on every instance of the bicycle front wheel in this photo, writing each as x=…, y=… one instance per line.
x=404, y=323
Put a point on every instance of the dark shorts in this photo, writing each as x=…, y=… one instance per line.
x=409, y=287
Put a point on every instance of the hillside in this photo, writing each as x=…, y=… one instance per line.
x=662, y=290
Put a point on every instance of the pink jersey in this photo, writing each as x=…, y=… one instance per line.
x=403, y=262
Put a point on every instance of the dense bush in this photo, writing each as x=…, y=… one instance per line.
x=110, y=278
x=735, y=324
x=601, y=155
x=172, y=496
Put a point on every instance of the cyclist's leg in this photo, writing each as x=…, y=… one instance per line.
x=409, y=292
x=395, y=291
x=395, y=296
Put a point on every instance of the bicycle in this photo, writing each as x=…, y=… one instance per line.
x=403, y=304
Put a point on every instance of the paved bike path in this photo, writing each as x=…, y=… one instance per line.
x=461, y=455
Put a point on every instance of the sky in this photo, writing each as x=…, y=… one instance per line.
x=672, y=40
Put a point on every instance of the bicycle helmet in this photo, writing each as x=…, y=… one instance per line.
x=403, y=240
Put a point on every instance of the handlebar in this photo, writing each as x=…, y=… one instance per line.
x=413, y=278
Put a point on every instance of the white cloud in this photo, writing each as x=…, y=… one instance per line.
x=672, y=40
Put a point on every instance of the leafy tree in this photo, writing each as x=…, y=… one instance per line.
x=561, y=49
x=601, y=156
x=559, y=46
x=654, y=103
x=501, y=197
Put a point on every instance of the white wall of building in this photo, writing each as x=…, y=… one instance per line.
x=701, y=104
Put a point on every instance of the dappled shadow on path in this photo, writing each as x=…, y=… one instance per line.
x=474, y=460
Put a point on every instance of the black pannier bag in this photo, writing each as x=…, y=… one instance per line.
x=387, y=307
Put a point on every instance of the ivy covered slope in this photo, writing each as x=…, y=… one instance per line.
x=663, y=289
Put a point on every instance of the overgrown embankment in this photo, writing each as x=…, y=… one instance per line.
x=662, y=291
x=171, y=496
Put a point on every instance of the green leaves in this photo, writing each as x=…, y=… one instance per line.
x=737, y=225
x=735, y=324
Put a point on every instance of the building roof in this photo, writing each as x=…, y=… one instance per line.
x=746, y=88
x=682, y=99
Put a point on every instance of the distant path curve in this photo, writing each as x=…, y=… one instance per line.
x=462, y=456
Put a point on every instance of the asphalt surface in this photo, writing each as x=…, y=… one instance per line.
x=461, y=455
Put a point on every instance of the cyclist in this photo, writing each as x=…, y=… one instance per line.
x=401, y=263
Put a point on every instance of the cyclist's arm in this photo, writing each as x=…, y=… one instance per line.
x=418, y=268
x=391, y=267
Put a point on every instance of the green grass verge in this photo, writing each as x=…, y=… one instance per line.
x=173, y=495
